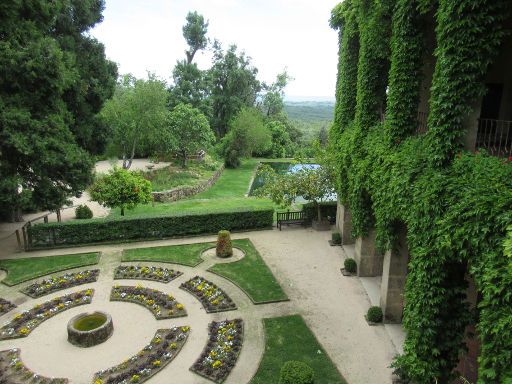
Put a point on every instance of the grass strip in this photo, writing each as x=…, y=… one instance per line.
x=185, y=254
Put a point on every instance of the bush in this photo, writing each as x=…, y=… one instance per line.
x=296, y=372
x=146, y=227
x=327, y=209
x=83, y=212
x=350, y=265
x=374, y=314
x=224, y=247
x=336, y=238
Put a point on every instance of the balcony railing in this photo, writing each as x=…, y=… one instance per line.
x=495, y=136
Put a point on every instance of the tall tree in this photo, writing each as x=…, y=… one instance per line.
x=195, y=34
x=233, y=85
x=273, y=99
x=38, y=150
x=136, y=114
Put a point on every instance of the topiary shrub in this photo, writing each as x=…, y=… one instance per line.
x=224, y=247
x=83, y=212
x=374, y=314
x=296, y=372
x=350, y=265
x=336, y=238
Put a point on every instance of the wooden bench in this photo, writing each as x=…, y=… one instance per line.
x=293, y=217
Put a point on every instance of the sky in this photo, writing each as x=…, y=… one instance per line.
x=146, y=35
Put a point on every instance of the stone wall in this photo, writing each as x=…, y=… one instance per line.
x=183, y=192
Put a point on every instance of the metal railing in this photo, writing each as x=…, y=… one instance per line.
x=495, y=136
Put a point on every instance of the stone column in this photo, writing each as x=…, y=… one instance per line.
x=369, y=260
x=393, y=280
x=344, y=224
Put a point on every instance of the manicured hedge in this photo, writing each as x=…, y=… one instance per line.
x=141, y=228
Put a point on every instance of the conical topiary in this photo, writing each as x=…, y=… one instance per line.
x=224, y=247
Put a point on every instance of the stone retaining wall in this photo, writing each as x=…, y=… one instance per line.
x=182, y=192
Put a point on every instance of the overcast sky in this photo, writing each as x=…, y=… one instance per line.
x=143, y=35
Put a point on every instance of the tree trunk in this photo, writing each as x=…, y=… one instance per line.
x=319, y=213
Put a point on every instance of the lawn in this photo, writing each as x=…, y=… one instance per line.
x=289, y=338
x=20, y=270
x=186, y=254
x=252, y=275
x=174, y=176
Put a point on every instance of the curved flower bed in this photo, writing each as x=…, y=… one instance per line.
x=13, y=370
x=23, y=323
x=163, y=348
x=211, y=297
x=46, y=286
x=162, y=305
x=221, y=352
x=139, y=272
x=5, y=306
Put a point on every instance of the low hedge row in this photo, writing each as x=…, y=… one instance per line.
x=141, y=228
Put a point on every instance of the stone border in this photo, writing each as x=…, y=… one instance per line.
x=95, y=336
x=57, y=283
x=23, y=323
x=14, y=371
x=144, y=272
x=221, y=352
x=183, y=192
x=142, y=295
x=163, y=348
x=226, y=304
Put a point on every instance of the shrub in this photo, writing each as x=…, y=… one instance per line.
x=296, y=372
x=83, y=212
x=146, y=227
x=350, y=265
x=374, y=314
x=224, y=247
x=336, y=238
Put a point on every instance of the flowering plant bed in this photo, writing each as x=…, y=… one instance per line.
x=23, y=323
x=14, y=371
x=162, y=305
x=165, y=346
x=5, y=306
x=46, y=286
x=212, y=297
x=221, y=352
x=139, y=272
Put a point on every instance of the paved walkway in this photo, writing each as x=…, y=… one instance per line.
x=307, y=268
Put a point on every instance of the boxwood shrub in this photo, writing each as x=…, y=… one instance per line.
x=146, y=227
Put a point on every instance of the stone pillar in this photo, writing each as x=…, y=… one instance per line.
x=344, y=224
x=393, y=280
x=369, y=260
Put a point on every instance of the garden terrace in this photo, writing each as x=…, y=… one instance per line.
x=162, y=305
x=211, y=297
x=143, y=272
x=57, y=283
x=163, y=348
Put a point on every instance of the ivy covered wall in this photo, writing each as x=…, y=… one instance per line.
x=456, y=205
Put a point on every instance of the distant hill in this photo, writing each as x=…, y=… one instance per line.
x=309, y=110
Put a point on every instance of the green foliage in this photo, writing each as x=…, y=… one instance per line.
x=374, y=314
x=137, y=115
x=336, y=238
x=151, y=227
x=83, y=212
x=121, y=188
x=190, y=87
x=350, y=265
x=272, y=103
x=194, y=33
x=281, y=144
x=185, y=254
x=189, y=131
x=296, y=372
x=224, y=247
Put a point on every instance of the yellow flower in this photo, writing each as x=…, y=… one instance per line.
x=179, y=306
x=156, y=363
x=173, y=346
x=185, y=328
x=216, y=364
x=98, y=381
x=24, y=331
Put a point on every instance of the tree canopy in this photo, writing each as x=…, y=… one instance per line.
x=195, y=34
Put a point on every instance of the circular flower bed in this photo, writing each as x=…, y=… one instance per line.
x=12, y=370
x=162, y=305
x=212, y=297
x=164, y=347
x=221, y=352
x=68, y=280
x=153, y=273
x=23, y=323
x=5, y=306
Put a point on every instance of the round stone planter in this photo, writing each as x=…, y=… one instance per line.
x=88, y=329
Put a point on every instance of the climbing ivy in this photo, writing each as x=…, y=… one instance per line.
x=456, y=205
